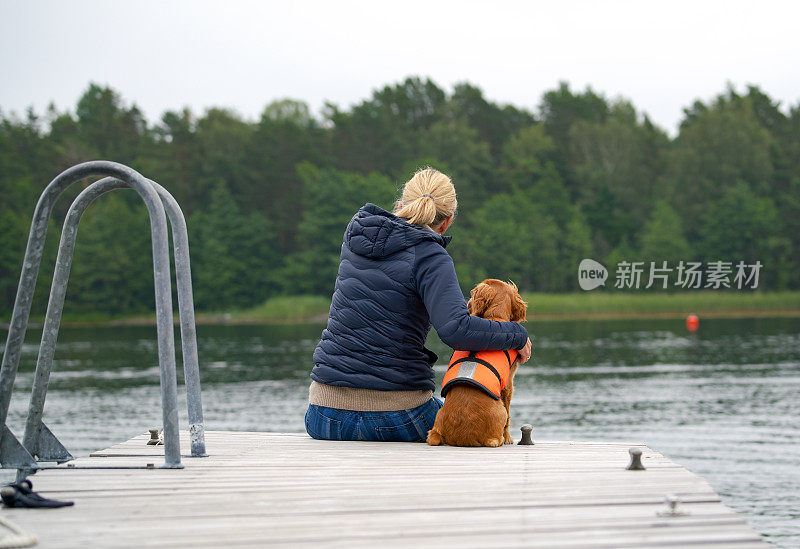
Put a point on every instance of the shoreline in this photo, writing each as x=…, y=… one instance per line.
x=222, y=320
x=290, y=310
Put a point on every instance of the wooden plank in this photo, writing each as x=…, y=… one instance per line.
x=248, y=530
x=261, y=489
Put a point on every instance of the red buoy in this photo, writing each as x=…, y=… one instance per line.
x=692, y=323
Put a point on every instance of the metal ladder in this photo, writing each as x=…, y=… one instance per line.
x=39, y=443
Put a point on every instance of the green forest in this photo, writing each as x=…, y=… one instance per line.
x=580, y=176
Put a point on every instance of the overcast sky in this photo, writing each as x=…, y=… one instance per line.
x=168, y=54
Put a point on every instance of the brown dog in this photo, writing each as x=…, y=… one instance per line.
x=470, y=417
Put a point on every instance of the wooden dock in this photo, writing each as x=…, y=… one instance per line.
x=266, y=489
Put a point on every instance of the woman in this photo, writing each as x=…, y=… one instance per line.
x=373, y=378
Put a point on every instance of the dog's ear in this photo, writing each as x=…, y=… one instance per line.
x=480, y=297
x=519, y=309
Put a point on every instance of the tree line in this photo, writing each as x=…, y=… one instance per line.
x=267, y=200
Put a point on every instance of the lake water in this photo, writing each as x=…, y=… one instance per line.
x=723, y=403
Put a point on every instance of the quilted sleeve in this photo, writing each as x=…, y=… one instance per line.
x=437, y=284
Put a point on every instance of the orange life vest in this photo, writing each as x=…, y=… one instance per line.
x=486, y=370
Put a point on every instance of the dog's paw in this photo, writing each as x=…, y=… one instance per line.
x=494, y=442
x=508, y=440
x=434, y=438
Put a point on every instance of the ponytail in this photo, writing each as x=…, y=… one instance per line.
x=428, y=199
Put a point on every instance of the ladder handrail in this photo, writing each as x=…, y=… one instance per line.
x=183, y=279
x=33, y=425
x=163, y=298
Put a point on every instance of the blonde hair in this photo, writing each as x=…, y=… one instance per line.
x=428, y=198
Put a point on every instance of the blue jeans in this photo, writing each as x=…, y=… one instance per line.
x=397, y=426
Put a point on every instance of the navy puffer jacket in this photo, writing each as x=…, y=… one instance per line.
x=394, y=280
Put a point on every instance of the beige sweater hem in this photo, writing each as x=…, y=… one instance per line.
x=365, y=400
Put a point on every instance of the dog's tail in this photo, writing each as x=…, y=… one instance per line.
x=435, y=438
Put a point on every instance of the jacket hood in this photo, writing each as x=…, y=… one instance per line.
x=373, y=232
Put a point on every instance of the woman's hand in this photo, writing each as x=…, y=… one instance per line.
x=525, y=352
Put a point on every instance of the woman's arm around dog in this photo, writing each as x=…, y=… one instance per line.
x=437, y=284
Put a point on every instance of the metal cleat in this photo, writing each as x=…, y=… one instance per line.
x=672, y=510
x=636, y=460
x=526, y=429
